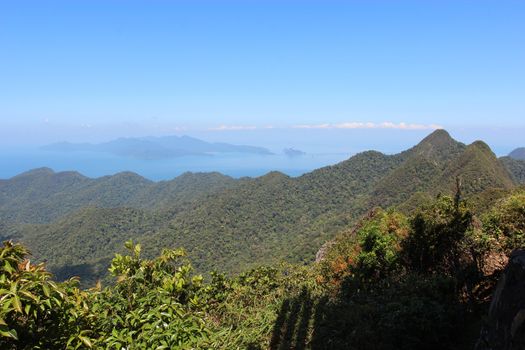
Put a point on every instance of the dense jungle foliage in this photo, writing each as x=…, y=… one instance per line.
x=392, y=281
x=76, y=224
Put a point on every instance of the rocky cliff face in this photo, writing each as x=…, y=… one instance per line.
x=505, y=326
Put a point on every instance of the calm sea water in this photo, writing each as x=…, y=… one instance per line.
x=100, y=164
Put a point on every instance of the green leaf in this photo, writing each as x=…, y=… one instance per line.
x=29, y=295
x=8, y=333
x=129, y=244
x=45, y=288
x=16, y=303
x=87, y=342
x=7, y=267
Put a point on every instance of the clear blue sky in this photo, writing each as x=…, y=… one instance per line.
x=95, y=70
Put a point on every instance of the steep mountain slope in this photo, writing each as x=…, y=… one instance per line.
x=418, y=169
x=245, y=222
x=414, y=174
x=478, y=168
x=438, y=147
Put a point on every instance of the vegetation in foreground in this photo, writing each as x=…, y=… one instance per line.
x=391, y=282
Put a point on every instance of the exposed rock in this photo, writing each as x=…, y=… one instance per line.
x=505, y=326
x=494, y=262
x=321, y=253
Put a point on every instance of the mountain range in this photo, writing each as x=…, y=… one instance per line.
x=156, y=147
x=227, y=224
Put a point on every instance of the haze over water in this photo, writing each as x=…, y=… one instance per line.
x=321, y=147
x=326, y=77
x=100, y=164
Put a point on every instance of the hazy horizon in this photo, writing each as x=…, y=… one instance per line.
x=326, y=77
x=98, y=164
x=311, y=140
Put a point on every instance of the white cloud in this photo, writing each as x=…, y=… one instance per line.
x=313, y=126
x=370, y=125
x=327, y=126
x=233, y=127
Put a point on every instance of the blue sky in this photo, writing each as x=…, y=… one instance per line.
x=254, y=70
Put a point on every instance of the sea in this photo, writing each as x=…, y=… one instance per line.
x=96, y=164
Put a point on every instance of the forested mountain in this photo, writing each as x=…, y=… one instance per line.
x=41, y=195
x=518, y=153
x=229, y=224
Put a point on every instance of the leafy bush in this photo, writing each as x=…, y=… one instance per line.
x=367, y=253
x=506, y=222
x=155, y=304
x=437, y=231
x=379, y=242
x=35, y=312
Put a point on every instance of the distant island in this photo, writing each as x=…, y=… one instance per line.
x=291, y=152
x=157, y=147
